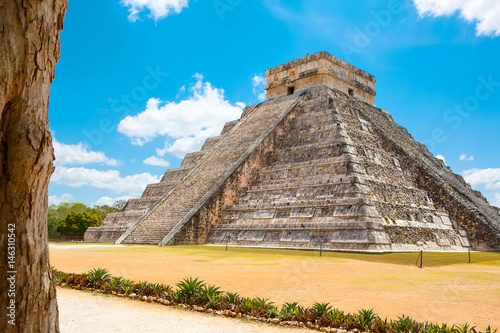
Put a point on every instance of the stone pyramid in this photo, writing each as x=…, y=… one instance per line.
x=315, y=165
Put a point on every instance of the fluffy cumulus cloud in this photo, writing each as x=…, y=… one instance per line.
x=188, y=144
x=188, y=122
x=55, y=200
x=485, y=12
x=132, y=185
x=79, y=154
x=490, y=178
x=464, y=157
x=259, y=87
x=156, y=161
x=110, y=201
x=158, y=9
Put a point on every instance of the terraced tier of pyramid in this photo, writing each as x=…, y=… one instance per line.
x=315, y=165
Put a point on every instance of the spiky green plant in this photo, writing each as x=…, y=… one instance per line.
x=126, y=285
x=272, y=312
x=189, y=288
x=207, y=293
x=407, y=324
x=114, y=283
x=246, y=305
x=97, y=276
x=288, y=311
x=364, y=318
x=488, y=330
x=319, y=309
x=464, y=328
x=60, y=277
x=232, y=298
x=261, y=303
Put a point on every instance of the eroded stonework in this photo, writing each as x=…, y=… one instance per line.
x=314, y=166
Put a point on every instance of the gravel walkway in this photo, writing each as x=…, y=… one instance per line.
x=85, y=312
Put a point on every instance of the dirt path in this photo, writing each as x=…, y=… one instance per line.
x=85, y=312
x=459, y=293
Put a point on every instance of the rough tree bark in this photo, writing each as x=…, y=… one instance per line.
x=29, y=50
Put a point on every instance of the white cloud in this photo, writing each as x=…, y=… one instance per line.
x=188, y=122
x=79, y=154
x=490, y=178
x=77, y=177
x=158, y=9
x=496, y=201
x=55, y=200
x=110, y=201
x=189, y=144
x=259, y=87
x=156, y=161
x=441, y=157
x=464, y=157
x=485, y=12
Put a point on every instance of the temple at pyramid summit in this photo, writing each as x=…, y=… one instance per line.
x=315, y=165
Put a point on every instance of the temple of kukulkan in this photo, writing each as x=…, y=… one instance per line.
x=315, y=165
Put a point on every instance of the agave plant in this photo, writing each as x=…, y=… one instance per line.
x=126, y=285
x=232, y=298
x=319, y=309
x=60, y=277
x=271, y=312
x=189, y=288
x=288, y=311
x=97, y=276
x=261, y=302
x=488, y=330
x=464, y=328
x=246, y=305
x=365, y=317
x=209, y=293
x=114, y=283
x=406, y=324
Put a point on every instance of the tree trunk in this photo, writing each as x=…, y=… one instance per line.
x=29, y=50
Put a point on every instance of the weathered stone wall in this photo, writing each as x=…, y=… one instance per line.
x=448, y=191
x=317, y=70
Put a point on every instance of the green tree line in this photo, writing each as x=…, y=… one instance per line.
x=71, y=219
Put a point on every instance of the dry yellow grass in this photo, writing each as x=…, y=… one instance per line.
x=446, y=290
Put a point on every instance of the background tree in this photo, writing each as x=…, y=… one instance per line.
x=29, y=51
x=57, y=213
x=75, y=224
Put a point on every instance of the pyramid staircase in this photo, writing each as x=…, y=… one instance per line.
x=163, y=221
x=115, y=224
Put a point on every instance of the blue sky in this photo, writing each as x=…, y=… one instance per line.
x=140, y=83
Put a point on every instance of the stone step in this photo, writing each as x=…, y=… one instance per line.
x=306, y=164
x=310, y=131
x=228, y=126
x=308, y=171
x=314, y=152
x=310, y=181
x=211, y=142
x=311, y=203
x=191, y=159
